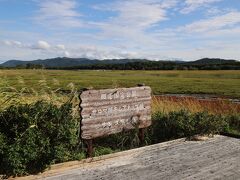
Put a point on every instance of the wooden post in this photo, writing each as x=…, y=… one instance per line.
x=141, y=136
x=141, y=130
x=89, y=143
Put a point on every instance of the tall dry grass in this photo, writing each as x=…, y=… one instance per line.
x=10, y=95
x=168, y=104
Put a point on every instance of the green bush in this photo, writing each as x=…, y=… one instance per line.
x=206, y=124
x=184, y=124
x=34, y=136
x=102, y=151
x=233, y=124
x=121, y=141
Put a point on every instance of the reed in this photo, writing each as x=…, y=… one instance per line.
x=166, y=104
x=46, y=90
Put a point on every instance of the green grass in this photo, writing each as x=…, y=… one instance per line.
x=43, y=84
x=203, y=82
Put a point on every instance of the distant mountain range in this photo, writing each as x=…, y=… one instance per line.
x=68, y=62
x=211, y=61
x=71, y=62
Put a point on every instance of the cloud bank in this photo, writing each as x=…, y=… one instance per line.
x=153, y=29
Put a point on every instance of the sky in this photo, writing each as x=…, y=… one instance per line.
x=153, y=29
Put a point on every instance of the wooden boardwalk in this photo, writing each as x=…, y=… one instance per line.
x=215, y=158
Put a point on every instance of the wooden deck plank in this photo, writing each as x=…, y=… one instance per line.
x=215, y=158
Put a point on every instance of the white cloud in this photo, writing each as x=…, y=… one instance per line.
x=17, y=43
x=225, y=33
x=169, y=3
x=132, y=20
x=13, y=43
x=39, y=47
x=42, y=45
x=7, y=42
x=127, y=29
x=99, y=52
x=192, y=5
x=213, y=11
x=66, y=54
x=58, y=13
x=228, y=20
x=138, y=13
x=60, y=47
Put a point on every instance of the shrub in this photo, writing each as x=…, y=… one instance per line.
x=206, y=124
x=36, y=135
x=184, y=124
x=233, y=124
x=117, y=142
x=102, y=151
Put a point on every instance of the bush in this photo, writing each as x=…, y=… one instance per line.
x=207, y=124
x=184, y=124
x=34, y=136
x=102, y=151
x=233, y=126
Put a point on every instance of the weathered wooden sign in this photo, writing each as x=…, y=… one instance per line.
x=110, y=111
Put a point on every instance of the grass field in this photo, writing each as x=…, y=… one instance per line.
x=225, y=83
x=33, y=131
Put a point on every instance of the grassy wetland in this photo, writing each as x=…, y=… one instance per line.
x=40, y=118
x=222, y=83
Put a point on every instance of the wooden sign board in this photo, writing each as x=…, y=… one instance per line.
x=110, y=111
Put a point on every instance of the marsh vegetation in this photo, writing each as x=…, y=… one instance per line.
x=39, y=115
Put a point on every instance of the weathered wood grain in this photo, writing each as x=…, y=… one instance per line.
x=115, y=94
x=91, y=132
x=110, y=111
x=215, y=158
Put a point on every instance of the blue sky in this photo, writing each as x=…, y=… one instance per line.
x=153, y=29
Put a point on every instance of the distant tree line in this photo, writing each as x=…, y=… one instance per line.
x=26, y=66
x=157, y=65
x=144, y=65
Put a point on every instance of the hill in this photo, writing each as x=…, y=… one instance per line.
x=124, y=64
x=211, y=61
x=67, y=62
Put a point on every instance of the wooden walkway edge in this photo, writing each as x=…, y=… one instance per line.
x=215, y=158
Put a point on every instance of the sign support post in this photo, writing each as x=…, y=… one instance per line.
x=89, y=143
x=141, y=136
x=141, y=130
